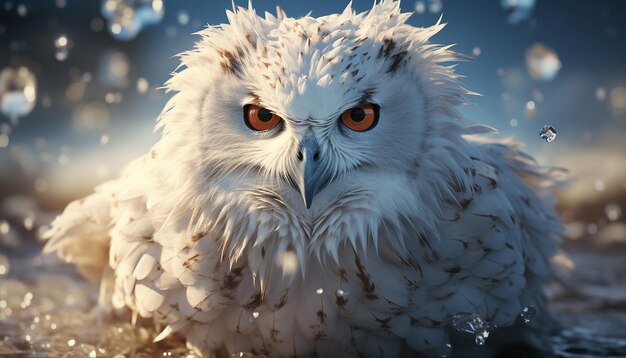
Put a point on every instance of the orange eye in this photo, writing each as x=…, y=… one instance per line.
x=361, y=118
x=260, y=119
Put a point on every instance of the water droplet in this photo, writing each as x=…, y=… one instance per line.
x=62, y=46
x=29, y=223
x=183, y=17
x=340, y=292
x=18, y=92
x=4, y=140
x=71, y=342
x=22, y=10
x=476, y=51
x=104, y=139
x=473, y=324
x=420, y=7
x=617, y=97
x=4, y=265
x=289, y=263
x=531, y=109
x=528, y=312
x=4, y=227
x=128, y=17
x=481, y=338
x=542, y=62
x=514, y=122
x=319, y=291
x=434, y=6
x=599, y=185
x=142, y=85
x=91, y=115
x=255, y=314
x=63, y=160
x=113, y=70
x=613, y=211
x=520, y=10
x=547, y=133
x=61, y=4
x=600, y=93
x=92, y=354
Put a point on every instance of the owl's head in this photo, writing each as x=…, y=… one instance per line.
x=314, y=110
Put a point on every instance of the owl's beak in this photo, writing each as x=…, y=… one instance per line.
x=311, y=179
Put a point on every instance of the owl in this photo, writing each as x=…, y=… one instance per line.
x=315, y=192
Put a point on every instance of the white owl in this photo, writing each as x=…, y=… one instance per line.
x=315, y=192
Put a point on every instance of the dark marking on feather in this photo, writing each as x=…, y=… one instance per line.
x=249, y=38
x=368, y=285
x=465, y=202
x=453, y=270
x=197, y=236
x=341, y=301
x=388, y=46
x=320, y=336
x=384, y=322
x=492, y=217
x=230, y=63
x=321, y=316
x=232, y=279
x=343, y=274
x=397, y=61
x=360, y=40
x=282, y=301
x=425, y=244
x=367, y=95
x=255, y=301
x=470, y=171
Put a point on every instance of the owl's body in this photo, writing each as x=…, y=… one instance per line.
x=412, y=221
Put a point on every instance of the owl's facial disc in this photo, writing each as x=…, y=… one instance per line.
x=310, y=173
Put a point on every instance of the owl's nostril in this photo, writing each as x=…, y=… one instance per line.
x=300, y=155
x=316, y=156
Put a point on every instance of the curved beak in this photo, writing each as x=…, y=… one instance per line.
x=311, y=177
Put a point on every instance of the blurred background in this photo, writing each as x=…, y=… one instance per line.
x=80, y=91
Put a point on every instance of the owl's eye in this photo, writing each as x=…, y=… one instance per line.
x=260, y=119
x=361, y=118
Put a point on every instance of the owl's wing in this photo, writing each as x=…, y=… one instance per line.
x=80, y=235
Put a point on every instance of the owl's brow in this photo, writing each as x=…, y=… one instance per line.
x=230, y=61
x=366, y=95
x=397, y=55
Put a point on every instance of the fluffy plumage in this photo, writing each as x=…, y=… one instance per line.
x=421, y=217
